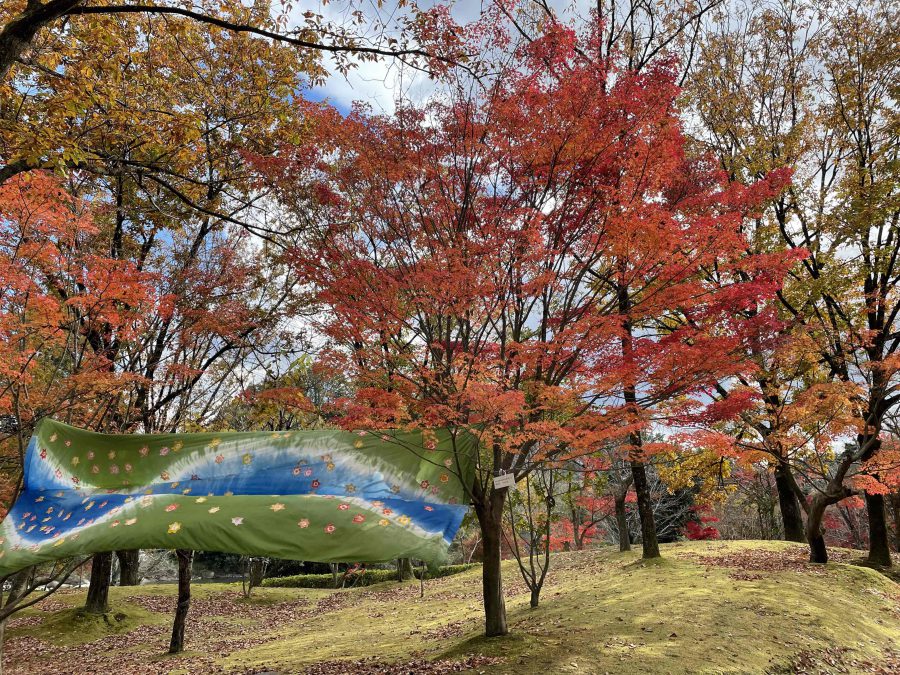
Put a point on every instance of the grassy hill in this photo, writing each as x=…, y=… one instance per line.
x=706, y=607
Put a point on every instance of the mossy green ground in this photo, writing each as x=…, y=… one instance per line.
x=706, y=607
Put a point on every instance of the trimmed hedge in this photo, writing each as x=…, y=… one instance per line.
x=369, y=577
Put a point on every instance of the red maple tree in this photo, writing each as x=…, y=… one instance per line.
x=523, y=262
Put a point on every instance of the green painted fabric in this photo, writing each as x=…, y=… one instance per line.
x=327, y=496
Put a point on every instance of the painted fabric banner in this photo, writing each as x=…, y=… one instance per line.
x=325, y=496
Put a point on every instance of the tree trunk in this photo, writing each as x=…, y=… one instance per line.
x=791, y=513
x=2, y=634
x=98, y=590
x=879, y=550
x=817, y=551
x=490, y=517
x=895, y=507
x=622, y=524
x=258, y=566
x=405, y=569
x=649, y=541
x=129, y=567
x=185, y=560
x=535, y=597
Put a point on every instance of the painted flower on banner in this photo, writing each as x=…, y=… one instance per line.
x=424, y=484
x=403, y=520
x=444, y=478
x=131, y=521
x=359, y=518
x=247, y=458
x=111, y=454
x=95, y=469
x=43, y=453
x=350, y=488
x=277, y=507
x=144, y=451
x=329, y=528
x=177, y=446
x=315, y=484
x=307, y=472
x=214, y=509
x=164, y=475
x=384, y=522
x=296, y=471
x=343, y=507
x=239, y=520
x=220, y=459
x=76, y=461
x=429, y=508
x=304, y=523
x=114, y=469
x=172, y=507
x=163, y=451
x=174, y=527
x=200, y=500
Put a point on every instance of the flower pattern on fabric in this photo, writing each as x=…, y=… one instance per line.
x=297, y=472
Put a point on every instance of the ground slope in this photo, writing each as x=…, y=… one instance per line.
x=706, y=607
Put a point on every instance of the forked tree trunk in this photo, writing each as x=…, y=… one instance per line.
x=405, y=569
x=622, y=524
x=489, y=511
x=98, y=591
x=129, y=567
x=791, y=513
x=649, y=541
x=185, y=560
x=879, y=549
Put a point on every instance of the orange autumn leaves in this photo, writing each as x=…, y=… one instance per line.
x=58, y=286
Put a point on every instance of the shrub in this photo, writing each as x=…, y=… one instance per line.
x=367, y=578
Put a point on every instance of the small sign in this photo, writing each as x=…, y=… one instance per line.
x=504, y=480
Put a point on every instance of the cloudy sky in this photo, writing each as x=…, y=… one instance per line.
x=380, y=83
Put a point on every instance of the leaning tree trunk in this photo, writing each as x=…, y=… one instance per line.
x=489, y=510
x=129, y=567
x=185, y=560
x=622, y=524
x=879, y=549
x=645, y=510
x=98, y=591
x=791, y=513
